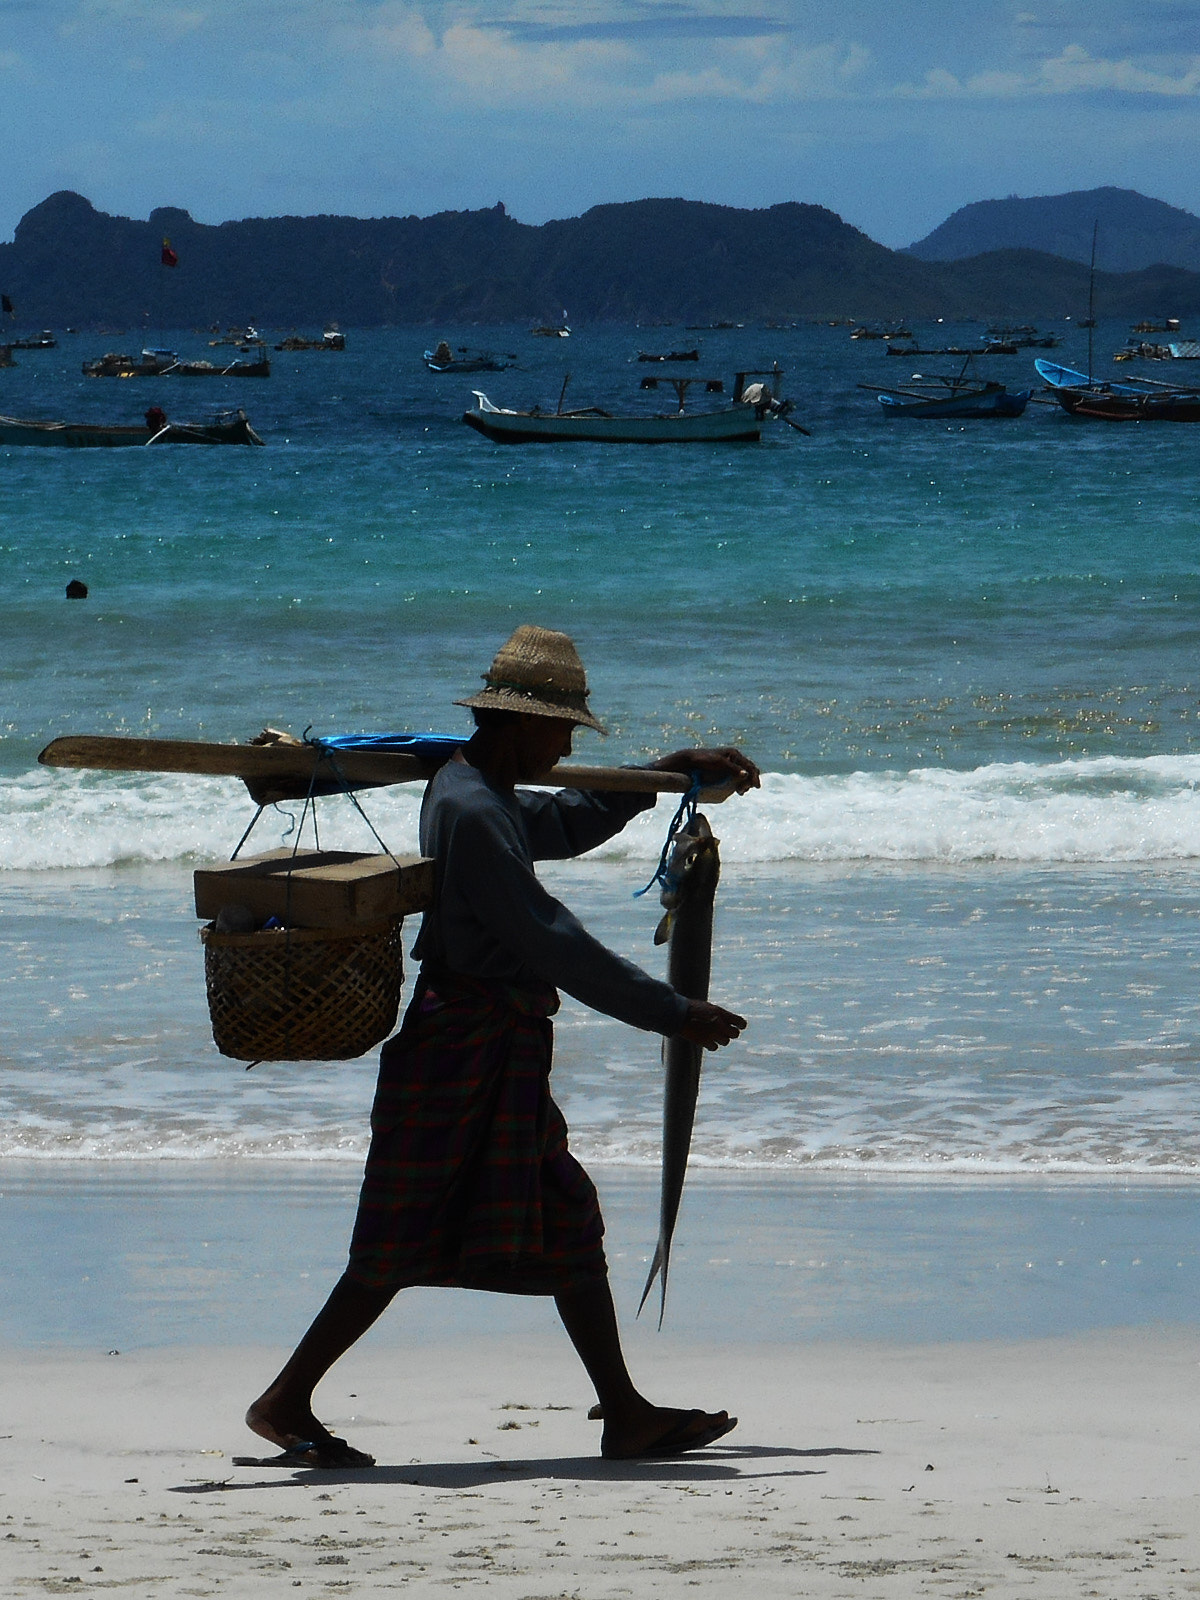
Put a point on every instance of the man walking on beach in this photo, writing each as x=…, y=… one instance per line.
x=469, y=1181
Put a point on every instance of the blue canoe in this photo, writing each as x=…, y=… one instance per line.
x=993, y=400
x=1067, y=378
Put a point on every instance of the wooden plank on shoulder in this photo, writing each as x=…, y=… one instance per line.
x=287, y=765
x=281, y=761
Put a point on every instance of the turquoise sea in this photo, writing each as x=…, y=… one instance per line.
x=962, y=914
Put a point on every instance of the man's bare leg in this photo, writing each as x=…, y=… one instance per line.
x=632, y=1425
x=283, y=1413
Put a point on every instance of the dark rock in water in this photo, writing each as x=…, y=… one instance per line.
x=77, y=590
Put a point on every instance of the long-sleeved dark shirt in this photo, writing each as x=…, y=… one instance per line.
x=491, y=917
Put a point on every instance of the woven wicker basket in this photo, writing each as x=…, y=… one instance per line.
x=303, y=994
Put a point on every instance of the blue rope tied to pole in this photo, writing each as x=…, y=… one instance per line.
x=326, y=758
x=682, y=819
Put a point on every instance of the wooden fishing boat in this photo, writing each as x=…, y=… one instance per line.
x=1023, y=337
x=331, y=339
x=1138, y=400
x=229, y=428
x=1169, y=406
x=989, y=347
x=210, y=369
x=933, y=350
x=672, y=355
x=991, y=400
x=150, y=364
x=37, y=341
x=443, y=359
x=959, y=394
x=732, y=424
x=1142, y=350
x=166, y=364
x=242, y=338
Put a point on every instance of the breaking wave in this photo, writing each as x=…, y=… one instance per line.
x=1106, y=809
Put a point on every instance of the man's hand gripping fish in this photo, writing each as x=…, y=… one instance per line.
x=688, y=893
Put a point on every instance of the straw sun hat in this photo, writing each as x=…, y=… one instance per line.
x=538, y=671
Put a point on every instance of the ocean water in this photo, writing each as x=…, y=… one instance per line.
x=962, y=913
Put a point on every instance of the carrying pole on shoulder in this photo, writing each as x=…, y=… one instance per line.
x=277, y=769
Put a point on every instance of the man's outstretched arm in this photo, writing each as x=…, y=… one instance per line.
x=714, y=766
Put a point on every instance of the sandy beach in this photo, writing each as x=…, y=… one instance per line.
x=1053, y=1468
x=925, y=1455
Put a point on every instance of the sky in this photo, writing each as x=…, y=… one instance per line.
x=892, y=113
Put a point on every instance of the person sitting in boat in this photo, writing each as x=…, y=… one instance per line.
x=759, y=396
x=443, y=353
x=156, y=418
x=469, y=1181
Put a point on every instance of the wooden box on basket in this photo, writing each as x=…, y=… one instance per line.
x=322, y=983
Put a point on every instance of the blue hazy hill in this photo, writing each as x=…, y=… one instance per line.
x=1135, y=232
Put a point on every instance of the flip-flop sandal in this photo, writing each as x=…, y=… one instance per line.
x=679, y=1437
x=310, y=1454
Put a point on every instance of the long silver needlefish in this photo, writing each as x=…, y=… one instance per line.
x=689, y=891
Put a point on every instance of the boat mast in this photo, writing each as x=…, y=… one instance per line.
x=1092, y=300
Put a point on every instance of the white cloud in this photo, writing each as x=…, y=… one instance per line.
x=497, y=66
x=1076, y=69
x=394, y=32
x=482, y=65
x=937, y=84
x=1072, y=71
x=162, y=19
x=766, y=74
x=488, y=63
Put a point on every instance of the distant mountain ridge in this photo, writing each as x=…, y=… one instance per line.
x=1134, y=231
x=680, y=261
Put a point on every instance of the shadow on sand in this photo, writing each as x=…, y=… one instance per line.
x=712, y=1467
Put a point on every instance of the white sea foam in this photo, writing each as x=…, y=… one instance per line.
x=1102, y=1159
x=1107, y=809
x=1102, y=810
x=1099, y=810
x=52, y=819
x=947, y=1023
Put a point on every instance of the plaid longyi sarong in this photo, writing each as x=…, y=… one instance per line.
x=469, y=1182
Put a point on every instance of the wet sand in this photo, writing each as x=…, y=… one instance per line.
x=96, y=1254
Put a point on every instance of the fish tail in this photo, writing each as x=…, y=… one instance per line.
x=658, y=1267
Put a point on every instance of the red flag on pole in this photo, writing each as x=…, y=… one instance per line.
x=168, y=258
